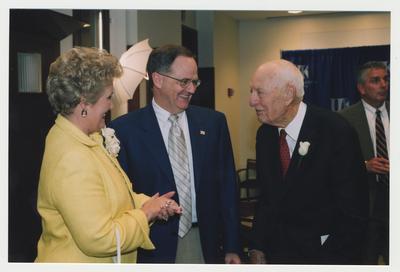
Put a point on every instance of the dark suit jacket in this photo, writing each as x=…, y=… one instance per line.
x=355, y=114
x=323, y=193
x=145, y=159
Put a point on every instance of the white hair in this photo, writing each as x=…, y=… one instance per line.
x=283, y=73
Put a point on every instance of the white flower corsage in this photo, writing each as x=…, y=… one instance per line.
x=111, y=142
x=303, y=149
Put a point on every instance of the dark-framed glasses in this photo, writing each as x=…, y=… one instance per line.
x=184, y=83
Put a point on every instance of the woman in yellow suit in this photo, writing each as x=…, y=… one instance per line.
x=89, y=211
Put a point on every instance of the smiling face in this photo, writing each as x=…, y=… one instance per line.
x=375, y=87
x=168, y=92
x=268, y=97
x=95, y=118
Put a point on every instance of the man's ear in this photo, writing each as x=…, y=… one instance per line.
x=361, y=89
x=290, y=94
x=157, y=80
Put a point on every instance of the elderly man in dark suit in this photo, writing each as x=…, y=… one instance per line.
x=373, y=86
x=314, y=202
x=172, y=146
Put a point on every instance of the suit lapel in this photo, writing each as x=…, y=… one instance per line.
x=155, y=143
x=198, y=134
x=363, y=129
x=299, y=164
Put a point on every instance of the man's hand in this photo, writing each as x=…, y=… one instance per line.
x=377, y=165
x=257, y=257
x=232, y=258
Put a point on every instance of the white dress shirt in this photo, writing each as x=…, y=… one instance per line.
x=370, y=112
x=293, y=128
x=164, y=124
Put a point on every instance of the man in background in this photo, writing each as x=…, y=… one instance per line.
x=370, y=118
x=314, y=199
x=172, y=146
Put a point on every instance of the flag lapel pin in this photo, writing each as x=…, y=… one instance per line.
x=202, y=132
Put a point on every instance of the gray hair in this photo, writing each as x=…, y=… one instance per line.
x=363, y=69
x=80, y=73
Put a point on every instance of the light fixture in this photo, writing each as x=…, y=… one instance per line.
x=295, y=11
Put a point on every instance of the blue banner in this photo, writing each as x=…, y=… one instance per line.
x=330, y=75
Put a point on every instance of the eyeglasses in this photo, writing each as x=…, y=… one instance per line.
x=184, y=83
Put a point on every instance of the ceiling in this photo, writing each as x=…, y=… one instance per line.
x=262, y=15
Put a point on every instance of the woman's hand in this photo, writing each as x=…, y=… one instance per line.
x=161, y=207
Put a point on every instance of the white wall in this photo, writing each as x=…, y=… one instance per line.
x=263, y=41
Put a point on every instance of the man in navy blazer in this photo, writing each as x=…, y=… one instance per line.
x=314, y=202
x=144, y=156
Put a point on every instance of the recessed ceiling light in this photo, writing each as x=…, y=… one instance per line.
x=295, y=11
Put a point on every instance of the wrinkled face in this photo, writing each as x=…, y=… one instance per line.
x=267, y=99
x=375, y=88
x=169, y=93
x=97, y=112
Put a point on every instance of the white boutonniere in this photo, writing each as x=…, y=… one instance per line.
x=303, y=149
x=111, y=142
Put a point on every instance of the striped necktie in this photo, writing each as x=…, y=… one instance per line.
x=381, y=145
x=180, y=167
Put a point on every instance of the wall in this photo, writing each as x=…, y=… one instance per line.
x=131, y=26
x=160, y=27
x=66, y=43
x=262, y=41
x=118, y=43
x=226, y=63
x=205, y=28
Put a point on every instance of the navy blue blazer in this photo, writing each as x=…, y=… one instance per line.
x=323, y=195
x=144, y=157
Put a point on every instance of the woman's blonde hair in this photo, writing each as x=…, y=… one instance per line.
x=81, y=73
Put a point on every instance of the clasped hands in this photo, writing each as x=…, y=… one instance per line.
x=161, y=207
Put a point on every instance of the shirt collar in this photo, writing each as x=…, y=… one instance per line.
x=293, y=128
x=163, y=114
x=372, y=109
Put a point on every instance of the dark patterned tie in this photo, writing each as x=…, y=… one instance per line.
x=381, y=147
x=284, y=152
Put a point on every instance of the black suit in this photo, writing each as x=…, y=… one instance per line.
x=323, y=193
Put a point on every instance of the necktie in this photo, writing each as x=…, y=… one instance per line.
x=381, y=147
x=284, y=152
x=180, y=167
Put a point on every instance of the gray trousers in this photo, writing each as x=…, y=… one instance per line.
x=189, y=248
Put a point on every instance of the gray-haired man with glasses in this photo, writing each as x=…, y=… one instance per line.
x=172, y=146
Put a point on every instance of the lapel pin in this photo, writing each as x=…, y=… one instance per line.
x=202, y=132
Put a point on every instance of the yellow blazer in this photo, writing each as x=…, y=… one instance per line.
x=84, y=199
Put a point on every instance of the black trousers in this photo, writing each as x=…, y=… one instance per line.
x=378, y=230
